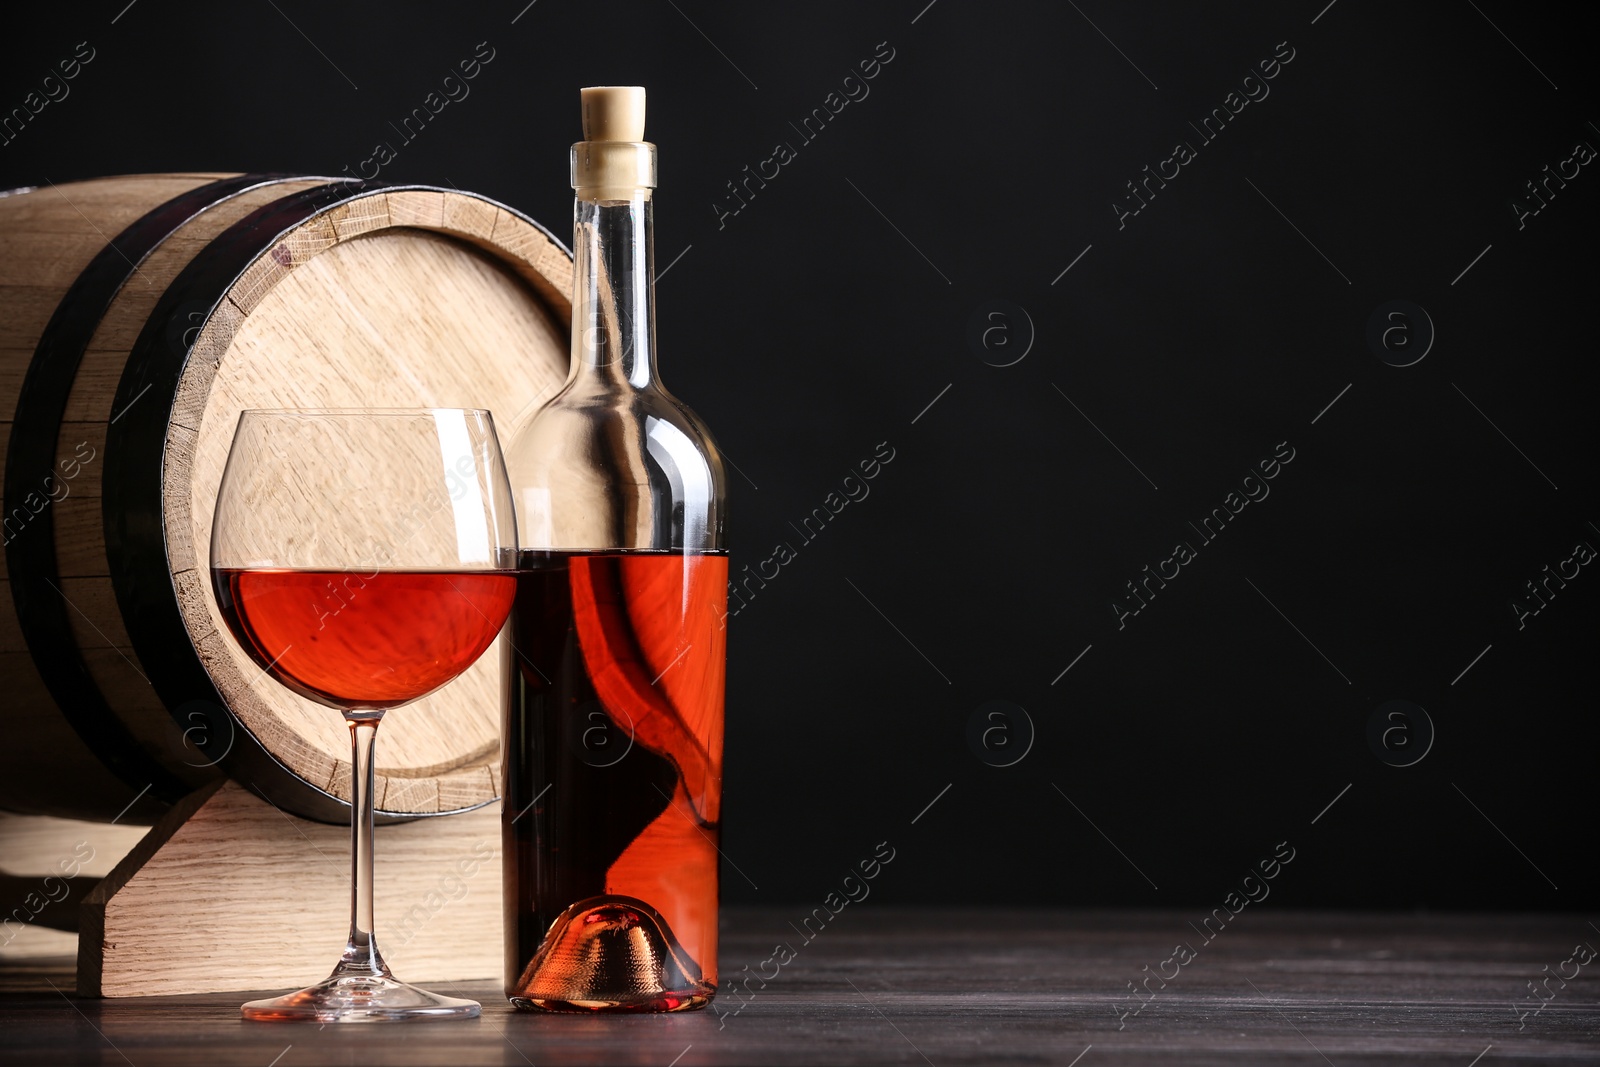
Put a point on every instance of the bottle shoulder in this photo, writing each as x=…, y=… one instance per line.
x=590, y=419
x=617, y=467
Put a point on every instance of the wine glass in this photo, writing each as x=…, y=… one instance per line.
x=364, y=559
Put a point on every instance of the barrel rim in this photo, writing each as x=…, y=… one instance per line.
x=33, y=565
x=133, y=500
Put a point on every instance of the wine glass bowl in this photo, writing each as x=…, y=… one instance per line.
x=363, y=559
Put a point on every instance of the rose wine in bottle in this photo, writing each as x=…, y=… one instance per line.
x=613, y=709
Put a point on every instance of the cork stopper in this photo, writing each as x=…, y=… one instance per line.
x=613, y=112
x=613, y=161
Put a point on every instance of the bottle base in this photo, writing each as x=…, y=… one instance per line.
x=663, y=1002
x=611, y=953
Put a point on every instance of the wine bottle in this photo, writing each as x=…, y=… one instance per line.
x=614, y=704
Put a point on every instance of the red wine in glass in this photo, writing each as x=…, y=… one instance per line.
x=364, y=640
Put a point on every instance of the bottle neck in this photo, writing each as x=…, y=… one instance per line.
x=613, y=309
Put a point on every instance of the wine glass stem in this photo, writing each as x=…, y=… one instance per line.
x=361, y=955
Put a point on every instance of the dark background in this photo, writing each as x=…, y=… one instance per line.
x=824, y=317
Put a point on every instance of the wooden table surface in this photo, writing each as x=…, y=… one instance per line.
x=949, y=987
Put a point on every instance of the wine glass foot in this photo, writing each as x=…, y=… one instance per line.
x=360, y=999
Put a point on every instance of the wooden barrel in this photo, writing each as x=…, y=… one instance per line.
x=138, y=316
